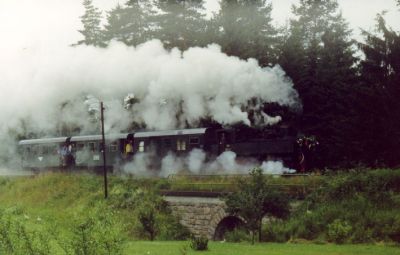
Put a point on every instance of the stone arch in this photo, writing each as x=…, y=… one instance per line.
x=226, y=224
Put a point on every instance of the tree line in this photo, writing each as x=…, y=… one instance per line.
x=350, y=100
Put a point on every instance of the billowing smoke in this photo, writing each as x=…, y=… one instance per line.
x=195, y=163
x=49, y=92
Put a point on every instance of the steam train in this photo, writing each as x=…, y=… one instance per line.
x=86, y=151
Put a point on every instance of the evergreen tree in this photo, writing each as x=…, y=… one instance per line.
x=381, y=72
x=181, y=23
x=91, y=20
x=246, y=31
x=130, y=24
x=318, y=56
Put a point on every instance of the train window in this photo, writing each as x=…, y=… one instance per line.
x=45, y=149
x=194, y=140
x=92, y=147
x=80, y=146
x=53, y=149
x=113, y=146
x=141, y=146
x=180, y=145
x=34, y=150
x=28, y=150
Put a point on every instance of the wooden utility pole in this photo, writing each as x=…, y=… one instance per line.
x=104, y=150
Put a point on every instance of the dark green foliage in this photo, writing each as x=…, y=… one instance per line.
x=237, y=235
x=17, y=236
x=245, y=30
x=356, y=207
x=130, y=23
x=394, y=229
x=97, y=233
x=317, y=55
x=171, y=228
x=339, y=231
x=255, y=199
x=92, y=33
x=276, y=231
x=178, y=23
x=181, y=24
x=154, y=220
x=199, y=243
x=147, y=217
x=381, y=73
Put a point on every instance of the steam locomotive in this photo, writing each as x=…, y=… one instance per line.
x=86, y=151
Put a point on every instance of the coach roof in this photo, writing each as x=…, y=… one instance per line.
x=193, y=131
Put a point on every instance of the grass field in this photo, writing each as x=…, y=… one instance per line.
x=217, y=248
x=61, y=200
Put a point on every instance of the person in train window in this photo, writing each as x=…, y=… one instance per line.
x=129, y=150
x=67, y=152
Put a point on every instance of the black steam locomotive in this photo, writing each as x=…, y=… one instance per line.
x=86, y=151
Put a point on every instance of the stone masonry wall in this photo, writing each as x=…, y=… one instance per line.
x=200, y=215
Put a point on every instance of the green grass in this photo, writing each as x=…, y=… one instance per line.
x=58, y=198
x=217, y=248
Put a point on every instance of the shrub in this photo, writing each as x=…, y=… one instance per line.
x=171, y=229
x=394, y=232
x=276, y=232
x=339, y=231
x=19, y=236
x=147, y=217
x=155, y=219
x=199, y=243
x=361, y=235
x=237, y=235
x=96, y=234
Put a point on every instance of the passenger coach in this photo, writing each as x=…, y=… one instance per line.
x=86, y=151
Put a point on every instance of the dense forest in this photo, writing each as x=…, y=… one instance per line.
x=349, y=89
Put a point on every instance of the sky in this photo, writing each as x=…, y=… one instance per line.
x=359, y=13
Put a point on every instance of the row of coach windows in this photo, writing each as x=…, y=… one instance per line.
x=53, y=149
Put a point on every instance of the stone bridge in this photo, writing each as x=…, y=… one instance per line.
x=206, y=216
x=203, y=215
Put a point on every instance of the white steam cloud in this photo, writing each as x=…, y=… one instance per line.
x=45, y=92
x=195, y=163
x=48, y=91
x=197, y=83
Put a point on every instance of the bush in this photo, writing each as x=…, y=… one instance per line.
x=199, y=243
x=276, y=232
x=148, y=219
x=95, y=233
x=98, y=233
x=339, y=231
x=394, y=232
x=171, y=228
x=17, y=236
x=237, y=235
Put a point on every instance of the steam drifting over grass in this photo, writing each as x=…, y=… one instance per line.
x=195, y=163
